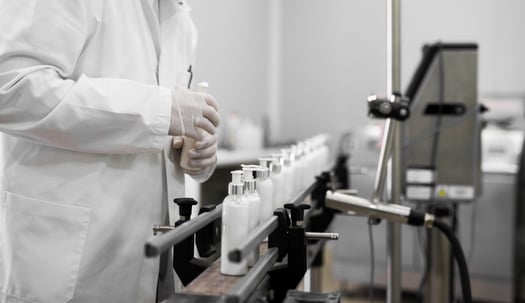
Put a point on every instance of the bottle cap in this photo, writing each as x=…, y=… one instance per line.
x=265, y=162
x=236, y=187
x=276, y=166
x=203, y=87
x=262, y=172
x=249, y=181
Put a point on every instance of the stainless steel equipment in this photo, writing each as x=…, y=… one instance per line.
x=442, y=150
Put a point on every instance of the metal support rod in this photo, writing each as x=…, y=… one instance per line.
x=254, y=240
x=394, y=86
x=321, y=236
x=437, y=289
x=243, y=289
x=316, y=278
x=163, y=242
x=382, y=165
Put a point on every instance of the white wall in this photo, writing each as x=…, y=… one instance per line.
x=232, y=53
x=333, y=54
x=333, y=58
x=497, y=26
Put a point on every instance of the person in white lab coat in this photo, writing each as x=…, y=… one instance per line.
x=91, y=93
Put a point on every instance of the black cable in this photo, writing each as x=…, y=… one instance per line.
x=454, y=227
x=433, y=160
x=460, y=259
x=435, y=142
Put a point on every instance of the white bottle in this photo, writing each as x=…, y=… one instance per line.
x=235, y=215
x=265, y=189
x=278, y=183
x=302, y=169
x=189, y=143
x=253, y=199
x=310, y=163
x=290, y=180
x=324, y=151
x=286, y=171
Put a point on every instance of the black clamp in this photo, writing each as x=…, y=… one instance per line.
x=395, y=107
x=185, y=206
x=279, y=237
x=208, y=239
x=297, y=213
x=185, y=264
x=285, y=278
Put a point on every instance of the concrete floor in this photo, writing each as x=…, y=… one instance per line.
x=352, y=293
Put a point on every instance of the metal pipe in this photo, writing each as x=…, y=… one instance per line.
x=438, y=289
x=162, y=229
x=394, y=86
x=244, y=288
x=321, y=236
x=316, y=279
x=165, y=241
x=254, y=240
x=382, y=165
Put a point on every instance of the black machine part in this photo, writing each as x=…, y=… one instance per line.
x=185, y=264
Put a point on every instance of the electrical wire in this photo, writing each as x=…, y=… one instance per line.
x=452, y=274
x=439, y=119
x=459, y=256
x=422, y=249
x=423, y=135
x=426, y=268
x=473, y=219
x=433, y=159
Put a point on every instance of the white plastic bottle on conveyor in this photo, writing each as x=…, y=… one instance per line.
x=235, y=214
x=265, y=189
x=289, y=172
x=253, y=199
x=278, y=183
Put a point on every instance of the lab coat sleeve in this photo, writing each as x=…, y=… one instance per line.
x=41, y=101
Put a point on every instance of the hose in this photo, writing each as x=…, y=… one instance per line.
x=458, y=254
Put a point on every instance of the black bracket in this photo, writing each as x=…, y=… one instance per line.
x=394, y=107
x=185, y=264
x=208, y=239
x=279, y=237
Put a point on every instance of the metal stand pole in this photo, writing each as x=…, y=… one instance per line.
x=437, y=290
x=394, y=86
x=391, y=149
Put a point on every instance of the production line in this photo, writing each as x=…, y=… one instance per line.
x=285, y=256
x=236, y=264
x=115, y=188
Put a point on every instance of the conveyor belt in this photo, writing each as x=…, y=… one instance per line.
x=212, y=283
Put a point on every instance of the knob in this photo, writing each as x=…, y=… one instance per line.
x=297, y=212
x=185, y=205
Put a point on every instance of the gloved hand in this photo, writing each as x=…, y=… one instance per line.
x=191, y=111
x=203, y=158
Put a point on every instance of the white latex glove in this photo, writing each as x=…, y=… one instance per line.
x=203, y=157
x=191, y=111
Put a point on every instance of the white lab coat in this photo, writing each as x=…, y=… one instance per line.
x=86, y=171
